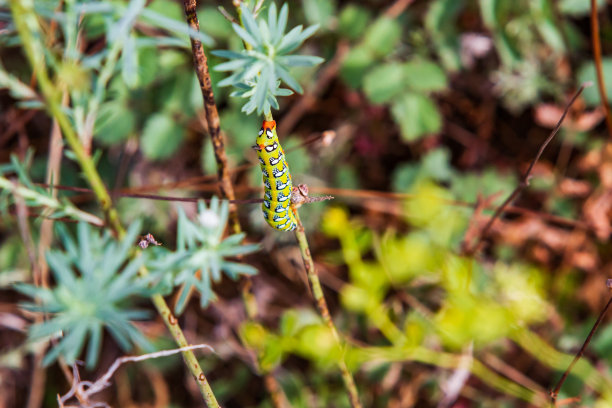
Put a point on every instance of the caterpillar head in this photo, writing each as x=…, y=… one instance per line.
x=267, y=133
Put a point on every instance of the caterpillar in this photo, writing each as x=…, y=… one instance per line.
x=276, y=206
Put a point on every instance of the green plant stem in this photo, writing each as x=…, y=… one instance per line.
x=556, y=360
x=29, y=32
x=317, y=292
x=226, y=189
x=190, y=359
x=452, y=361
x=49, y=202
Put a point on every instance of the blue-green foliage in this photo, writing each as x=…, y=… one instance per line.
x=128, y=86
x=34, y=195
x=259, y=70
x=95, y=283
x=201, y=247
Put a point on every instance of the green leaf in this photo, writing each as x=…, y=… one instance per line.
x=578, y=8
x=404, y=177
x=232, y=65
x=229, y=54
x=115, y=122
x=286, y=77
x=436, y=165
x=129, y=59
x=417, y=116
x=300, y=60
x=244, y=34
x=161, y=137
x=491, y=16
x=384, y=82
x=382, y=36
x=355, y=65
x=319, y=11
x=216, y=25
x=18, y=89
x=441, y=24
x=168, y=8
x=587, y=73
x=546, y=23
x=281, y=23
x=250, y=25
x=175, y=26
x=148, y=59
x=290, y=41
x=424, y=76
x=353, y=21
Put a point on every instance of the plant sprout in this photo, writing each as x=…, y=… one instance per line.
x=201, y=253
x=95, y=283
x=259, y=69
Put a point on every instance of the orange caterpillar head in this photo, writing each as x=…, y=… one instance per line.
x=268, y=124
x=267, y=133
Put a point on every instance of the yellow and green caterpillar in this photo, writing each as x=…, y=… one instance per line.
x=276, y=206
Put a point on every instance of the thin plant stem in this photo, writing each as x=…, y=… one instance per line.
x=38, y=377
x=84, y=390
x=29, y=32
x=28, y=29
x=226, y=189
x=200, y=64
x=192, y=184
x=554, y=359
x=601, y=85
x=190, y=359
x=524, y=183
x=317, y=292
x=49, y=202
x=453, y=361
x=555, y=392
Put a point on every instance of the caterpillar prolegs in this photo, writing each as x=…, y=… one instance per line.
x=276, y=178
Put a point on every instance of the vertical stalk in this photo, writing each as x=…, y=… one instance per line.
x=317, y=292
x=200, y=64
x=29, y=32
x=226, y=189
x=601, y=86
x=27, y=26
x=190, y=359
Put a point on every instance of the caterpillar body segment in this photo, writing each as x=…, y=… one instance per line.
x=276, y=178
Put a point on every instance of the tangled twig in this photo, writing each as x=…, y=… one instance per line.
x=84, y=390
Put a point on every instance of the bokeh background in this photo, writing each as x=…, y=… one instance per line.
x=421, y=121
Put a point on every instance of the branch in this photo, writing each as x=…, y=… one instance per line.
x=555, y=392
x=342, y=192
x=601, y=86
x=28, y=29
x=524, y=183
x=200, y=63
x=84, y=390
x=27, y=25
x=317, y=292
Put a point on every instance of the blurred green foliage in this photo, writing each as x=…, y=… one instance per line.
x=409, y=293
